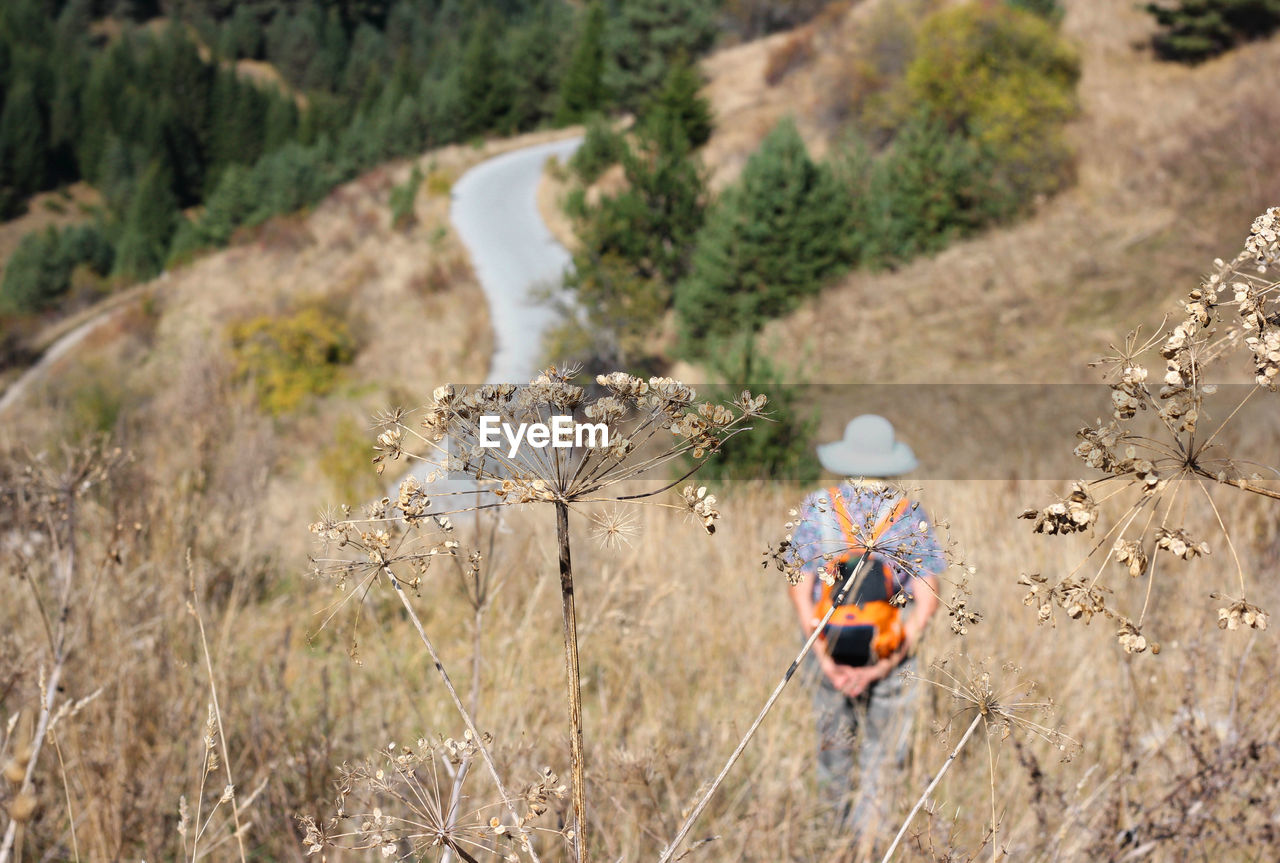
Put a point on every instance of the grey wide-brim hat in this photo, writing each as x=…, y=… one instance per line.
x=869, y=448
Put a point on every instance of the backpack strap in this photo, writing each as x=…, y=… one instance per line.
x=852, y=545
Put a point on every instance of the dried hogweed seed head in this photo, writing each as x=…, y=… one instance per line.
x=1179, y=543
x=1263, y=243
x=1131, y=554
x=1076, y=512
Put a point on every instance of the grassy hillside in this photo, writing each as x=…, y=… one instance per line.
x=1172, y=164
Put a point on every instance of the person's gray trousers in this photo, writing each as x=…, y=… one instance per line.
x=861, y=742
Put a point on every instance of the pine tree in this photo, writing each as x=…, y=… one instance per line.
x=39, y=272
x=535, y=50
x=483, y=80
x=1195, y=30
x=149, y=224
x=326, y=67
x=653, y=223
x=647, y=37
x=366, y=71
x=24, y=150
x=930, y=188
x=293, y=42
x=239, y=124
x=635, y=246
x=245, y=31
x=771, y=240
x=678, y=107
x=34, y=276
x=582, y=89
x=282, y=122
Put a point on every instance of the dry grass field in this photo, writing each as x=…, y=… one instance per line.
x=187, y=581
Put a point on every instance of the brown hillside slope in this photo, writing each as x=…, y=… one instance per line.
x=1173, y=164
x=158, y=369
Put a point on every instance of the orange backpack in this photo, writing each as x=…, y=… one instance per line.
x=867, y=627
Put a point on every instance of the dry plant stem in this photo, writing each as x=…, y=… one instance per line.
x=849, y=587
x=66, y=790
x=925, y=796
x=455, y=793
x=58, y=645
x=507, y=798
x=42, y=728
x=1243, y=485
x=222, y=735
x=573, y=684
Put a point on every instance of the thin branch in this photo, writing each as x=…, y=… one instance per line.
x=669, y=851
x=507, y=798
x=217, y=714
x=925, y=796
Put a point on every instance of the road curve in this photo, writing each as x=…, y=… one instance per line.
x=55, y=352
x=512, y=251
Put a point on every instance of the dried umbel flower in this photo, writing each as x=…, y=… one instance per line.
x=1130, y=637
x=632, y=410
x=702, y=506
x=1129, y=553
x=1039, y=594
x=1001, y=698
x=614, y=528
x=1235, y=309
x=909, y=546
x=1179, y=543
x=396, y=800
x=1097, y=446
x=23, y=807
x=1080, y=599
x=1263, y=243
x=962, y=616
x=1076, y=512
x=1266, y=357
x=401, y=537
x=1238, y=612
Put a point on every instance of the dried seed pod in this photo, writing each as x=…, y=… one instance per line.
x=22, y=807
x=14, y=772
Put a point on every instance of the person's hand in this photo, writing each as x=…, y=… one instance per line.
x=851, y=680
x=859, y=680
x=836, y=674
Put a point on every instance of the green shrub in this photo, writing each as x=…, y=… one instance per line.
x=151, y=220
x=930, y=188
x=39, y=271
x=601, y=147
x=645, y=37
x=779, y=446
x=284, y=181
x=1006, y=79
x=35, y=275
x=346, y=462
x=1195, y=30
x=288, y=359
x=403, y=199
x=1050, y=10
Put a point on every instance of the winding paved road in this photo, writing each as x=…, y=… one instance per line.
x=495, y=211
